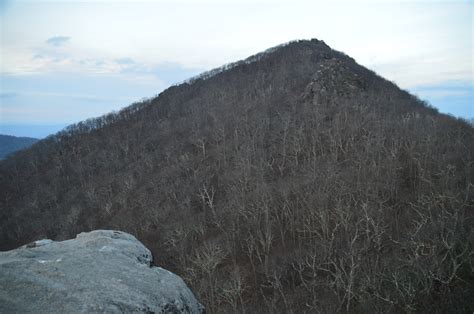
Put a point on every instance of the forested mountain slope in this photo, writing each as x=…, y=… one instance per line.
x=10, y=144
x=294, y=181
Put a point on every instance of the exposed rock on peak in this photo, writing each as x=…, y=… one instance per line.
x=333, y=78
x=103, y=270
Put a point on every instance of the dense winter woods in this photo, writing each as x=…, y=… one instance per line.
x=299, y=181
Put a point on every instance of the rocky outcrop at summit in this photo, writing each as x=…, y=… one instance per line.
x=99, y=271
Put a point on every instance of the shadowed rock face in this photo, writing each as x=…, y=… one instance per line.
x=98, y=271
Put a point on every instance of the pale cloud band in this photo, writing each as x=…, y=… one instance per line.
x=58, y=40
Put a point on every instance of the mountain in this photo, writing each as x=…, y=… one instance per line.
x=10, y=144
x=293, y=181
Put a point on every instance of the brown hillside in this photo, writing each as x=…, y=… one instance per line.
x=293, y=181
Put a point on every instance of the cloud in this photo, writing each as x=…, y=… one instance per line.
x=58, y=40
x=168, y=72
x=446, y=89
x=454, y=97
x=8, y=95
x=56, y=98
x=125, y=61
x=173, y=72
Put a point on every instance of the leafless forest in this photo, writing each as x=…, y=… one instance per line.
x=296, y=182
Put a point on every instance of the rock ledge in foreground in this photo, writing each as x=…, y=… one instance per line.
x=99, y=271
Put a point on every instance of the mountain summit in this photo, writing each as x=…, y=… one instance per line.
x=293, y=181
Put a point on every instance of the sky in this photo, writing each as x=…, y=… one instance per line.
x=65, y=61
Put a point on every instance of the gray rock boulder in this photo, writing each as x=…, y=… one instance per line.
x=99, y=271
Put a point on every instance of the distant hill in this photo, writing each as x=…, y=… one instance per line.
x=295, y=181
x=10, y=144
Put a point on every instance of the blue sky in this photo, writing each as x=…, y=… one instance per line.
x=65, y=61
